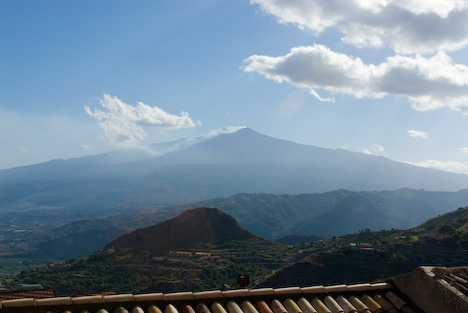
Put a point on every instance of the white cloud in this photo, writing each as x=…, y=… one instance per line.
x=123, y=123
x=406, y=26
x=378, y=148
x=374, y=150
x=450, y=166
x=24, y=150
x=417, y=133
x=427, y=83
x=87, y=147
x=465, y=150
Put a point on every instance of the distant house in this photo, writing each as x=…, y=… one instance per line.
x=203, y=255
x=29, y=287
x=183, y=254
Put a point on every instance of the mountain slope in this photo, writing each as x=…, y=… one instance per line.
x=141, y=261
x=337, y=212
x=197, y=228
x=220, y=166
x=441, y=241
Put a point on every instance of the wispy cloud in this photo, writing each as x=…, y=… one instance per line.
x=465, y=149
x=289, y=106
x=374, y=150
x=418, y=133
x=406, y=26
x=123, y=123
x=450, y=166
x=87, y=147
x=427, y=83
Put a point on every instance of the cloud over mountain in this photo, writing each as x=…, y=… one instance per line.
x=123, y=123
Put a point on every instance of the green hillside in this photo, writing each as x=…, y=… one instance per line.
x=441, y=241
x=214, y=249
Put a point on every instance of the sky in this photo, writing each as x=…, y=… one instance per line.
x=382, y=77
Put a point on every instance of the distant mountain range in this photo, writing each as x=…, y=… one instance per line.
x=197, y=169
x=336, y=212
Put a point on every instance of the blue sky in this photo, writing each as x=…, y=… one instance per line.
x=388, y=78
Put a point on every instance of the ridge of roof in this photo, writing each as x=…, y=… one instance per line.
x=187, y=296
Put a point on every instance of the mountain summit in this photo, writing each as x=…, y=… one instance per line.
x=208, y=167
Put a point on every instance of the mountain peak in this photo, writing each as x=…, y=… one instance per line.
x=194, y=229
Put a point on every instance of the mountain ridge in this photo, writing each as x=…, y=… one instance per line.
x=211, y=167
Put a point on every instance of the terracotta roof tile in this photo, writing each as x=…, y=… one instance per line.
x=262, y=292
x=346, y=305
x=149, y=297
x=386, y=306
x=18, y=303
x=291, y=306
x=88, y=300
x=202, y=308
x=305, y=306
x=120, y=309
x=179, y=296
x=336, y=288
x=362, y=298
x=378, y=286
x=288, y=291
x=138, y=309
x=263, y=307
x=54, y=301
x=216, y=307
x=320, y=306
x=332, y=305
x=359, y=305
x=186, y=308
x=170, y=309
x=314, y=289
x=119, y=298
x=154, y=309
x=236, y=293
x=371, y=304
x=208, y=294
x=248, y=307
x=233, y=307
x=359, y=287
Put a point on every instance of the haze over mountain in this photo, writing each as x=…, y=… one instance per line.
x=192, y=170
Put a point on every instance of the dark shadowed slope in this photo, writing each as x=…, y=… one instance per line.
x=197, y=228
